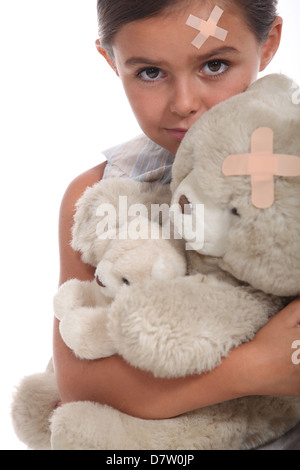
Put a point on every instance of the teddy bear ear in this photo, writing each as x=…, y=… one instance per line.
x=104, y=207
x=86, y=237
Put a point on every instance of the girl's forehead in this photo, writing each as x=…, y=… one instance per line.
x=170, y=31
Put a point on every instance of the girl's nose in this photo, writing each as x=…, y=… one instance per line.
x=185, y=99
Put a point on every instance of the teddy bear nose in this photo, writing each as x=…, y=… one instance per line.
x=99, y=282
x=186, y=206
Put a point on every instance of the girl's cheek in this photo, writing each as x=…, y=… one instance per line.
x=147, y=102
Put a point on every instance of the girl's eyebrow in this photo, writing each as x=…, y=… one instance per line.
x=133, y=61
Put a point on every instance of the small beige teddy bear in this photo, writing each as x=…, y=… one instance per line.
x=84, y=308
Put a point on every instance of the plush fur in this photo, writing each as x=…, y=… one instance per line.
x=246, y=270
x=35, y=399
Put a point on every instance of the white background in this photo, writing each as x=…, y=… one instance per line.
x=60, y=105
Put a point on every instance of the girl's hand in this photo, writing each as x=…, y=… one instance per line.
x=272, y=370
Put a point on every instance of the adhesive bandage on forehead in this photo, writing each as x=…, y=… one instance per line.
x=262, y=165
x=207, y=28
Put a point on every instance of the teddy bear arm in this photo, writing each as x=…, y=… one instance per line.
x=184, y=326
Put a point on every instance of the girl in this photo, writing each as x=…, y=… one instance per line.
x=170, y=83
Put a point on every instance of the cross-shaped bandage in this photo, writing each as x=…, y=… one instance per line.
x=262, y=165
x=207, y=28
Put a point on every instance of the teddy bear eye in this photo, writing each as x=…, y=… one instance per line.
x=125, y=281
x=234, y=211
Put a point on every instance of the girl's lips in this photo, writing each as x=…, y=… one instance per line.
x=177, y=134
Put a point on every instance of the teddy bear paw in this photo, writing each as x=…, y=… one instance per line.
x=71, y=295
x=72, y=331
x=85, y=332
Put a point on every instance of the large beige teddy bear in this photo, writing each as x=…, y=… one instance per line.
x=243, y=268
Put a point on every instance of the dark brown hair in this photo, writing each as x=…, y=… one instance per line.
x=113, y=14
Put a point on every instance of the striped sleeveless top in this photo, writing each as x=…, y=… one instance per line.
x=139, y=159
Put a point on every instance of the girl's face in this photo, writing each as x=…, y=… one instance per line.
x=170, y=83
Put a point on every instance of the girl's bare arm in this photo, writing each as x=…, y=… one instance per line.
x=263, y=366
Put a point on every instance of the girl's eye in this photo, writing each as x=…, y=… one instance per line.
x=150, y=74
x=215, y=67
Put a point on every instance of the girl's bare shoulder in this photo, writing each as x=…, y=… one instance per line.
x=77, y=187
x=71, y=265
